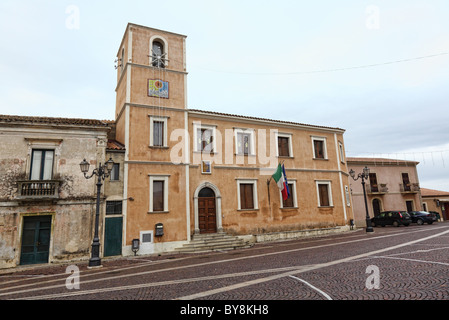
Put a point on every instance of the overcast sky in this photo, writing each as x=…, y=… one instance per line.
x=378, y=69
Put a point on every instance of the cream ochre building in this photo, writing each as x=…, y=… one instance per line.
x=189, y=173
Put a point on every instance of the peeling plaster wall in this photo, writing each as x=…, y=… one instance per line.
x=72, y=211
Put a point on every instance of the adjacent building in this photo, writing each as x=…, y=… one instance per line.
x=437, y=201
x=46, y=205
x=392, y=185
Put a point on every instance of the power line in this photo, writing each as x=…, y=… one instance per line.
x=419, y=156
x=326, y=70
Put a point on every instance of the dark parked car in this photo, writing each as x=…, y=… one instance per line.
x=395, y=218
x=437, y=215
x=421, y=217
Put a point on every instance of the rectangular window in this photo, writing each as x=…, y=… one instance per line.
x=283, y=147
x=373, y=182
x=158, y=193
x=204, y=137
x=243, y=143
x=115, y=173
x=319, y=148
x=406, y=182
x=342, y=153
x=158, y=131
x=247, y=194
x=284, y=144
x=158, y=196
x=324, y=193
x=113, y=207
x=42, y=165
x=290, y=202
x=205, y=140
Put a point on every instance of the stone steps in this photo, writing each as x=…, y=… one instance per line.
x=213, y=242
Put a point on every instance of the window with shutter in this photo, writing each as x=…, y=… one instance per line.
x=246, y=196
x=158, y=196
x=283, y=148
x=373, y=182
x=323, y=190
x=319, y=151
x=289, y=203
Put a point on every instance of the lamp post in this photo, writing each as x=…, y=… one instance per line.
x=364, y=175
x=102, y=172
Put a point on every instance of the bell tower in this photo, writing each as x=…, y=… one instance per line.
x=151, y=65
x=151, y=103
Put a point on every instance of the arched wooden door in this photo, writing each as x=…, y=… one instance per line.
x=207, y=213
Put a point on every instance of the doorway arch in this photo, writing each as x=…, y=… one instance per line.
x=207, y=213
x=209, y=191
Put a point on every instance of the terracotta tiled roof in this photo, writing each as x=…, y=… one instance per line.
x=115, y=145
x=262, y=119
x=380, y=160
x=433, y=193
x=50, y=120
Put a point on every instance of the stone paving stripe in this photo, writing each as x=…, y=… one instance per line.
x=414, y=260
x=328, y=297
x=199, y=264
x=318, y=266
x=157, y=284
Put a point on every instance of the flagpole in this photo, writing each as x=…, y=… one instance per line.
x=268, y=186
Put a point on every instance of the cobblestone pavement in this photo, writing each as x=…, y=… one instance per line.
x=405, y=263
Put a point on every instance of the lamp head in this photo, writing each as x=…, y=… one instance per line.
x=352, y=174
x=109, y=165
x=366, y=172
x=84, y=166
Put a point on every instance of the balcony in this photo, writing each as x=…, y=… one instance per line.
x=409, y=187
x=380, y=188
x=38, y=189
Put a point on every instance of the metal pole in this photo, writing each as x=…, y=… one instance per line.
x=95, y=260
x=369, y=227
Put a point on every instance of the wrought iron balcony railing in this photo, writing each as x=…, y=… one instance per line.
x=380, y=188
x=409, y=187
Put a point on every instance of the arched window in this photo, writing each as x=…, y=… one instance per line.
x=158, y=54
x=206, y=193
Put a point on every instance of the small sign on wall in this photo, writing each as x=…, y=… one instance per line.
x=158, y=88
x=206, y=167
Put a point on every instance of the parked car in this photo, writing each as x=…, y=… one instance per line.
x=421, y=217
x=395, y=218
x=437, y=215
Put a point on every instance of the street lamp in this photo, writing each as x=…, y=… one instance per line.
x=102, y=172
x=364, y=175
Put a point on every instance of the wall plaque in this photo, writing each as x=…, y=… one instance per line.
x=158, y=88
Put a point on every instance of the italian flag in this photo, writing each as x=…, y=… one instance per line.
x=281, y=180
